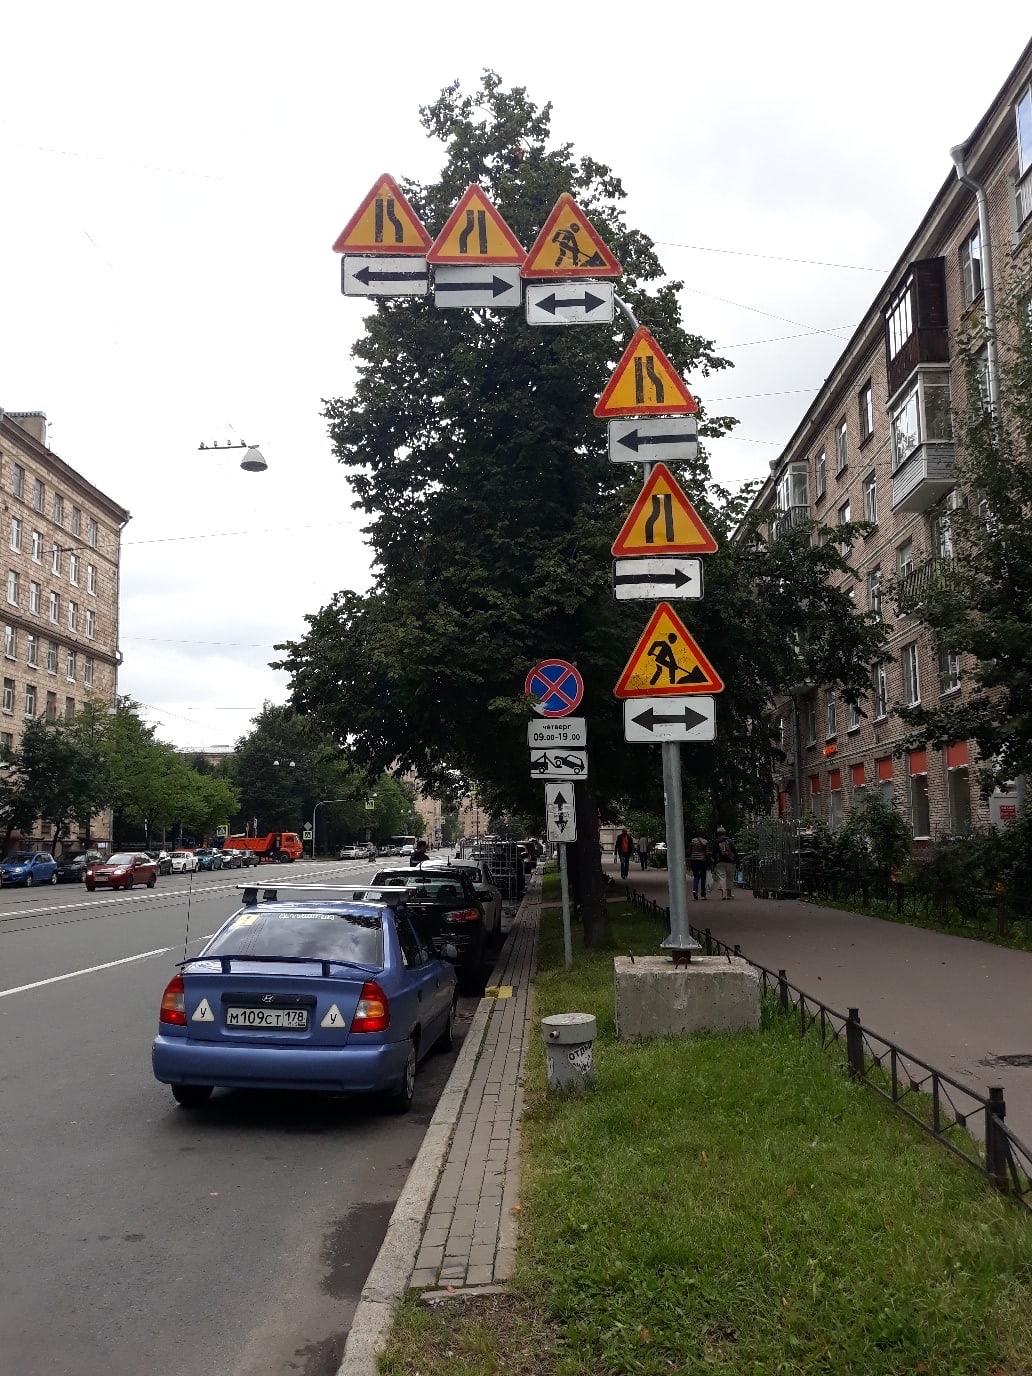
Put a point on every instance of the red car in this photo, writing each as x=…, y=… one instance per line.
x=122, y=871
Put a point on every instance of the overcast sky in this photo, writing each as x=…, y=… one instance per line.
x=174, y=178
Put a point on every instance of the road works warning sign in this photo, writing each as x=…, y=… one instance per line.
x=667, y=662
x=662, y=521
x=384, y=223
x=645, y=383
x=476, y=233
x=569, y=246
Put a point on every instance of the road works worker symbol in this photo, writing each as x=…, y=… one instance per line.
x=568, y=246
x=384, y=223
x=667, y=662
x=645, y=383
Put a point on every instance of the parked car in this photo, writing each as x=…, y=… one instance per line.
x=123, y=870
x=71, y=868
x=314, y=995
x=233, y=859
x=163, y=860
x=442, y=904
x=208, y=858
x=29, y=867
x=356, y=852
x=248, y=859
x=184, y=862
x=488, y=891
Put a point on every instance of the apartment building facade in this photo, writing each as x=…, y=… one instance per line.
x=877, y=445
x=61, y=542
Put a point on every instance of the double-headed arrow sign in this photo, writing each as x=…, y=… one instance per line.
x=654, y=439
x=655, y=720
x=383, y=276
x=657, y=579
x=570, y=303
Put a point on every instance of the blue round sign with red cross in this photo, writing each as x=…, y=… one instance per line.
x=557, y=685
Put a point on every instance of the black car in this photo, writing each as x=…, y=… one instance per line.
x=71, y=868
x=443, y=905
x=163, y=858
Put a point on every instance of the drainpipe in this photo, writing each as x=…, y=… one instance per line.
x=988, y=293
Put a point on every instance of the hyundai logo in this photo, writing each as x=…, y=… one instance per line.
x=268, y=998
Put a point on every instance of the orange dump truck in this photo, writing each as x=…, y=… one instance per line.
x=284, y=846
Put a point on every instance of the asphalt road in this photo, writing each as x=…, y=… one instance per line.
x=140, y=1237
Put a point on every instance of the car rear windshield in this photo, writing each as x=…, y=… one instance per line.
x=355, y=938
x=435, y=887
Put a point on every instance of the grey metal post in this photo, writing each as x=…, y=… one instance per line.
x=565, y=886
x=680, y=937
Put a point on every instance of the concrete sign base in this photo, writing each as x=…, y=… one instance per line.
x=709, y=994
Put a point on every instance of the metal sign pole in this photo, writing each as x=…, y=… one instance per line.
x=565, y=885
x=677, y=880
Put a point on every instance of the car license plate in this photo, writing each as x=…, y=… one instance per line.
x=293, y=1019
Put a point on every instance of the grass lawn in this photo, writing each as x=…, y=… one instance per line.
x=732, y=1204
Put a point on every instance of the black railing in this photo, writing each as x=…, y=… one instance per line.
x=913, y=586
x=943, y=1107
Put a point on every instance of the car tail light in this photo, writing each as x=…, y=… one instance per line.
x=173, y=1002
x=373, y=1013
x=463, y=915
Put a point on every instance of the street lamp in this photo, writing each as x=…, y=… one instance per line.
x=323, y=802
x=253, y=461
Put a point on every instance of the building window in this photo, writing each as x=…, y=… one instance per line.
x=811, y=723
x=874, y=590
x=73, y=569
x=73, y=616
x=919, y=815
x=971, y=267
x=16, y=534
x=91, y=623
x=1023, y=111
x=879, y=692
x=830, y=715
x=865, y=407
x=69, y=708
x=854, y=717
x=835, y=800
x=12, y=587
x=841, y=445
x=7, y=738
x=10, y=642
x=76, y=521
x=87, y=671
x=921, y=416
x=949, y=671
x=905, y=559
x=844, y=518
x=871, y=498
x=820, y=473
x=31, y=651
x=8, y=695
x=51, y=657
x=51, y=708
x=70, y=666
x=37, y=494
x=55, y=607
x=958, y=787
x=55, y=559
x=18, y=481
x=900, y=320
x=58, y=508
x=91, y=579
x=942, y=536
x=30, y=699
x=34, y=596
x=911, y=674
x=884, y=771
x=91, y=532
x=37, y=547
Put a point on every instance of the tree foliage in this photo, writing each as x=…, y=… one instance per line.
x=978, y=602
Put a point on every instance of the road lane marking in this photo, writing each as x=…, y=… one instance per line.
x=90, y=969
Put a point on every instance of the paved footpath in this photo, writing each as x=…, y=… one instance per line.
x=959, y=1004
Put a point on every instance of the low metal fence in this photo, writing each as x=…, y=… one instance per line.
x=967, y=1122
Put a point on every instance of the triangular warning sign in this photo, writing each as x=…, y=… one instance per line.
x=662, y=521
x=667, y=662
x=645, y=383
x=384, y=223
x=568, y=246
x=476, y=233
x=202, y=1013
x=332, y=1017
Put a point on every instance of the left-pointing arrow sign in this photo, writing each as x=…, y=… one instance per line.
x=653, y=720
x=477, y=285
x=383, y=276
x=644, y=439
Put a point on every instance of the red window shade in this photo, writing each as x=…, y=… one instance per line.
x=782, y=803
x=835, y=780
x=957, y=755
x=815, y=783
x=885, y=769
x=856, y=772
x=918, y=762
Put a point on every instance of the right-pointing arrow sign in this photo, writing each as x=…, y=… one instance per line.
x=654, y=720
x=646, y=439
x=656, y=579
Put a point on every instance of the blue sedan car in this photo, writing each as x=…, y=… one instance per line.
x=298, y=993
x=29, y=867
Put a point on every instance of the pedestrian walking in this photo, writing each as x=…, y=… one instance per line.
x=644, y=846
x=698, y=863
x=623, y=850
x=725, y=861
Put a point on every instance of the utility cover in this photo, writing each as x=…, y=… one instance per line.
x=667, y=662
x=384, y=223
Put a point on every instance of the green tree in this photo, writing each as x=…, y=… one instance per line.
x=64, y=772
x=492, y=506
x=978, y=602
